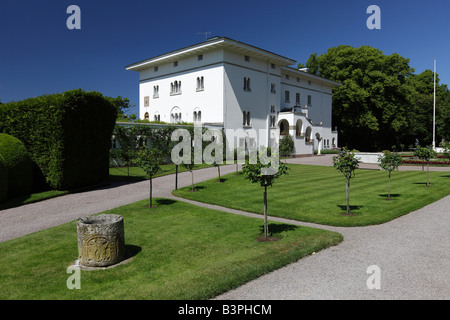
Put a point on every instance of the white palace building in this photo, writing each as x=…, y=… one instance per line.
x=224, y=83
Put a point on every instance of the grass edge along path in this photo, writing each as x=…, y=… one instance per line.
x=180, y=251
x=316, y=194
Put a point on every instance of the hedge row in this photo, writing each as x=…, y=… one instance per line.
x=3, y=180
x=16, y=166
x=68, y=135
x=420, y=162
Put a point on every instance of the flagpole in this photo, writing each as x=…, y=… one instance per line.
x=434, y=108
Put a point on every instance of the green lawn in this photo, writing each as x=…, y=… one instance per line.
x=317, y=194
x=179, y=251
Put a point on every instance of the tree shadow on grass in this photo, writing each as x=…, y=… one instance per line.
x=393, y=195
x=275, y=228
x=165, y=202
x=352, y=208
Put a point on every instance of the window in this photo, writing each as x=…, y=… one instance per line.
x=247, y=58
x=309, y=83
x=309, y=100
x=175, y=63
x=272, y=65
x=157, y=117
x=246, y=118
x=146, y=116
x=200, y=84
x=155, y=91
x=175, y=87
x=297, y=99
x=247, y=84
x=272, y=121
x=155, y=69
x=286, y=96
x=287, y=77
x=298, y=79
x=197, y=116
x=272, y=88
x=146, y=101
x=200, y=57
x=175, y=115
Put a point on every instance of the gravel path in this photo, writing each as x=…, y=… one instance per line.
x=412, y=252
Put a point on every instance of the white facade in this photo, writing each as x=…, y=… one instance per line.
x=229, y=84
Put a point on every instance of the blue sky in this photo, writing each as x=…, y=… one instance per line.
x=40, y=55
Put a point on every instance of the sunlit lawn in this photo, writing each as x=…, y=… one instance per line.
x=180, y=251
x=317, y=194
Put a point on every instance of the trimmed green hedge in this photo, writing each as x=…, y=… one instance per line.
x=68, y=135
x=3, y=180
x=18, y=164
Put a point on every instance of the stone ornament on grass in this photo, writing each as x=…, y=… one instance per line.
x=101, y=240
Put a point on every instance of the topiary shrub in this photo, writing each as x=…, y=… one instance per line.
x=3, y=180
x=18, y=163
x=68, y=135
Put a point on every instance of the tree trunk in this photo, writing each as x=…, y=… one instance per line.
x=347, y=194
x=266, y=228
x=389, y=186
x=192, y=179
x=428, y=166
x=151, y=200
x=176, y=177
x=218, y=170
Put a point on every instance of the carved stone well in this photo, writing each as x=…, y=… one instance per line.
x=101, y=240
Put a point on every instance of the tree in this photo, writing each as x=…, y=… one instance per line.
x=390, y=162
x=346, y=163
x=286, y=146
x=371, y=106
x=127, y=146
x=425, y=154
x=149, y=159
x=122, y=104
x=257, y=173
x=190, y=167
x=420, y=117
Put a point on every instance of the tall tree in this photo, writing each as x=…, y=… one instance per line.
x=371, y=106
x=420, y=117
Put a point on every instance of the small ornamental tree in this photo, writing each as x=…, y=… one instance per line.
x=150, y=160
x=390, y=162
x=286, y=146
x=425, y=154
x=346, y=163
x=258, y=172
x=190, y=167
